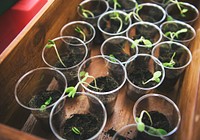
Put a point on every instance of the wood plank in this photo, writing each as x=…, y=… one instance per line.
x=8, y=133
x=25, y=51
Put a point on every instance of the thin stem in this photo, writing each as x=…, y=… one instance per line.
x=116, y=16
x=116, y=4
x=59, y=58
x=86, y=12
x=79, y=30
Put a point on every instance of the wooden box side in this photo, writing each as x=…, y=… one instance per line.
x=25, y=51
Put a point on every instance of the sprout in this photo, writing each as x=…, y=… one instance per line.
x=72, y=90
x=50, y=44
x=79, y=30
x=171, y=63
x=176, y=34
x=156, y=78
x=76, y=130
x=86, y=13
x=115, y=16
x=146, y=42
x=46, y=103
x=179, y=4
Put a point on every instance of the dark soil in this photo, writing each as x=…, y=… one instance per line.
x=105, y=83
x=40, y=98
x=88, y=125
x=151, y=14
x=125, y=4
x=70, y=60
x=174, y=12
x=139, y=75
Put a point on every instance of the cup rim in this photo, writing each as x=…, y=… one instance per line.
x=153, y=5
x=107, y=59
x=67, y=68
x=86, y=1
x=29, y=72
x=124, y=127
x=178, y=44
x=156, y=61
x=150, y=24
x=83, y=23
x=80, y=93
x=125, y=10
x=118, y=37
x=180, y=23
x=168, y=100
x=113, y=34
x=187, y=4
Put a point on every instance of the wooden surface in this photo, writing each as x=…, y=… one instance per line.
x=24, y=54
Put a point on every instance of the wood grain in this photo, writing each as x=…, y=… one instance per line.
x=24, y=54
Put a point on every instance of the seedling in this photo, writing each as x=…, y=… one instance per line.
x=171, y=63
x=152, y=130
x=76, y=130
x=182, y=10
x=115, y=16
x=50, y=44
x=72, y=90
x=86, y=13
x=46, y=103
x=176, y=34
x=146, y=42
x=136, y=13
x=116, y=4
x=79, y=30
x=112, y=58
x=156, y=78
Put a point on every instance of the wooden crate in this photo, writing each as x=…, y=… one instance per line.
x=24, y=54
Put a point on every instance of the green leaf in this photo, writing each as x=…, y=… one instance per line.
x=157, y=74
x=147, y=42
x=82, y=73
x=161, y=131
x=76, y=130
x=50, y=44
x=184, y=11
x=170, y=18
x=140, y=126
x=69, y=89
x=48, y=101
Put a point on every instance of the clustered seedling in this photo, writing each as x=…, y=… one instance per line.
x=46, y=103
x=136, y=13
x=176, y=34
x=179, y=4
x=79, y=30
x=86, y=13
x=116, y=4
x=116, y=16
x=146, y=42
x=50, y=44
x=152, y=130
x=171, y=63
x=72, y=90
x=76, y=130
x=156, y=78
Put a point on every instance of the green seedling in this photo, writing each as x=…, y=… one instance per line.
x=86, y=13
x=50, y=44
x=152, y=130
x=112, y=58
x=76, y=130
x=72, y=90
x=115, y=16
x=136, y=13
x=179, y=4
x=176, y=34
x=156, y=78
x=171, y=63
x=46, y=103
x=146, y=42
x=116, y=4
x=79, y=30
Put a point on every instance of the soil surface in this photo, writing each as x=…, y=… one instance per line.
x=87, y=124
x=105, y=84
x=42, y=97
